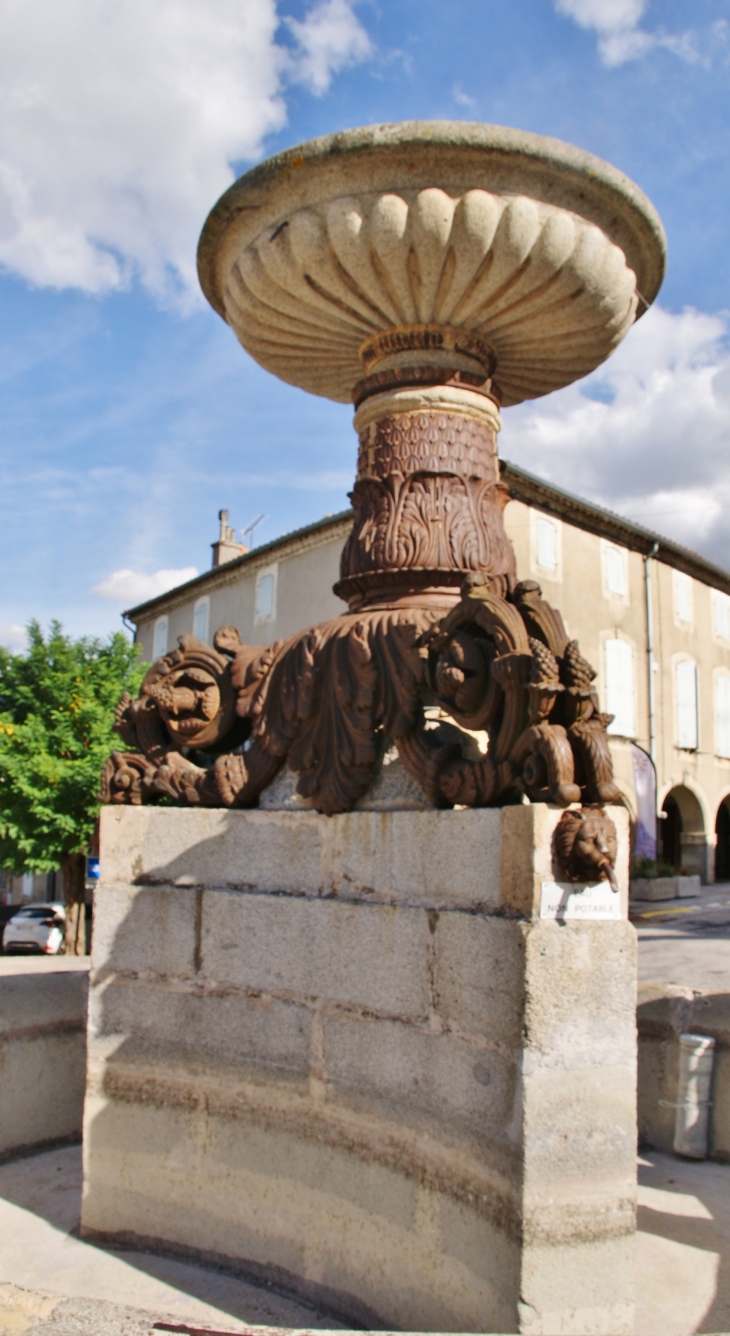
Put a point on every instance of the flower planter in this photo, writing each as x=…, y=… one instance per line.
x=664, y=888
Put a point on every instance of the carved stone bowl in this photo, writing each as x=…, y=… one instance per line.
x=517, y=261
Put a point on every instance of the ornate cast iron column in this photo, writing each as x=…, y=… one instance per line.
x=427, y=499
x=430, y=273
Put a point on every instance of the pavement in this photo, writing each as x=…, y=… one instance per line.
x=682, y=1246
x=22, y=964
x=686, y=942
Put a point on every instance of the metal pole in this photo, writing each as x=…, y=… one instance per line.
x=650, y=649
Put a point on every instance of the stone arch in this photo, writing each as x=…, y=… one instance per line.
x=683, y=830
x=722, y=838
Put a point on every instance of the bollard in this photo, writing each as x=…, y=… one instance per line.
x=691, y=1126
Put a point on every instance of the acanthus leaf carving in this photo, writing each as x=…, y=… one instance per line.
x=324, y=701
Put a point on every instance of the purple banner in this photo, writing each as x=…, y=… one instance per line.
x=645, y=785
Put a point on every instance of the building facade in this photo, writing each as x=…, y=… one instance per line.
x=30, y=887
x=652, y=617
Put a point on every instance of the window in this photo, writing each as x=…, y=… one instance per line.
x=721, y=608
x=159, y=646
x=546, y=543
x=265, y=609
x=614, y=571
x=200, y=619
x=27, y=885
x=683, y=598
x=722, y=714
x=686, y=679
x=619, y=659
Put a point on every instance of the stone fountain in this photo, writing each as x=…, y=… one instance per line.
x=378, y=1056
x=430, y=274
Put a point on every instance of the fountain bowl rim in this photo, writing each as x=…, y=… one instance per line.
x=497, y=157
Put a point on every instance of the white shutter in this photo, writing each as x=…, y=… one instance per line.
x=722, y=714
x=686, y=678
x=722, y=615
x=200, y=619
x=619, y=660
x=615, y=568
x=265, y=605
x=160, y=642
x=547, y=544
x=683, y=598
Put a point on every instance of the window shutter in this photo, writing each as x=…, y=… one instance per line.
x=615, y=571
x=265, y=594
x=722, y=616
x=200, y=620
x=619, y=659
x=547, y=544
x=722, y=714
x=160, y=642
x=686, y=677
x=683, y=598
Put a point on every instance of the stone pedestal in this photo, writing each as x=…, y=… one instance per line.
x=348, y=1054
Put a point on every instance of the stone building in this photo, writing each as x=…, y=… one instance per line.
x=29, y=887
x=619, y=587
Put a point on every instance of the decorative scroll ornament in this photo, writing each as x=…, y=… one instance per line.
x=326, y=701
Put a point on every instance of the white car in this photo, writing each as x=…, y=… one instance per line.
x=37, y=928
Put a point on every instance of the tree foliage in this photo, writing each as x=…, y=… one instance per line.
x=56, y=716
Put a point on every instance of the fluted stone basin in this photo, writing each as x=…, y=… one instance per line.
x=532, y=256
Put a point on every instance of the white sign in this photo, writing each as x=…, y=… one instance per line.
x=564, y=900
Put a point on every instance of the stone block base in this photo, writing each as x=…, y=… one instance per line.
x=42, y=1057
x=346, y=1053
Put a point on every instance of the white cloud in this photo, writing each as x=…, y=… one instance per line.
x=328, y=39
x=132, y=587
x=648, y=434
x=463, y=99
x=603, y=15
x=119, y=123
x=619, y=37
x=13, y=636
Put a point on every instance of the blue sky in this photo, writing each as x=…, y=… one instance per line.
x=129, y=414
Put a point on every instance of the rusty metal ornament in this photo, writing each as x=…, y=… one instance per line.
x=506, y=268
x=324, y=700
x=186, y=700
x=586, y=845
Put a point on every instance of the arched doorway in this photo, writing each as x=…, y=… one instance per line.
x=722, y=848
x=671, y=832
x=682, y=832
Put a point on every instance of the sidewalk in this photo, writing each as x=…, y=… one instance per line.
x=686, y=942
x=54, y=1284
x=22, y=964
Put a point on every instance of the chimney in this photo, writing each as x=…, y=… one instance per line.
x=226, y=548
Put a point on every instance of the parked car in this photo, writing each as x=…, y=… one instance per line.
x=37, y=928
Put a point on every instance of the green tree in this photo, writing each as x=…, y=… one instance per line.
x=56, y=717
